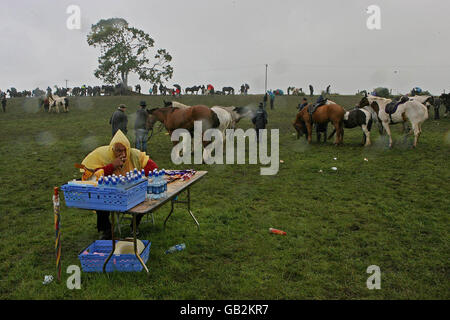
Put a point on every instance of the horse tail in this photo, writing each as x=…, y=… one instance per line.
x=215, y=119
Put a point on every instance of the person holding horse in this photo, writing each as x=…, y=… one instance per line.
x=260, y=119
x=119, y=120
x=140, y=127
x=117, y=158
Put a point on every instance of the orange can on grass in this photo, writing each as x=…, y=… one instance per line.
x=276, y=231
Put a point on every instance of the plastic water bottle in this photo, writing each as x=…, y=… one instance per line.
x=100, y=182
x=164, y=183
x=155, y=191
x=175, y=248
x=106, y=182
x=149, y=186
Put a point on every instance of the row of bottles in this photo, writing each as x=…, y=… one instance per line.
x=157, y=185
x=113, y=181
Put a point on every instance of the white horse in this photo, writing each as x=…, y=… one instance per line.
x=427, y=101
x=237, y=113
x=225, y=119
x=411, y=110
x=55, y=102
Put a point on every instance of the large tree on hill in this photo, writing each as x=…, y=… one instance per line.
x=126, y=50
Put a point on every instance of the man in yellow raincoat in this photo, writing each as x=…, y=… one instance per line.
x=117, y=158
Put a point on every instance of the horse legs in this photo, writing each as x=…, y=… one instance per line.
x=417, y=132
x=309, y=129
x=388, y=131
x=366, y=132
x=339, y=133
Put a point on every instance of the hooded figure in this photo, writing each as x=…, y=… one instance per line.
x=260, y=119
x=116, y=158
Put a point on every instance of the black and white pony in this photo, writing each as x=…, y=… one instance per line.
x=228, y=90
x=360, y=117
x=192, y=89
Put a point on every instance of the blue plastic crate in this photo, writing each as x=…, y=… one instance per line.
x=119, y=262
x=107, y=199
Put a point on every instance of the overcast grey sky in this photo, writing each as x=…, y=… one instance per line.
x=228, y=42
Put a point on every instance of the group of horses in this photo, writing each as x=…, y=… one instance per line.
x=371, y=109
x=175, y=115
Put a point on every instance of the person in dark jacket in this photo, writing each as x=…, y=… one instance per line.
x=3, y=98
x=260, y=119
x=119, y=120
x=140, y=127
x=303, y=104
x=311, y=90
x=265, y=100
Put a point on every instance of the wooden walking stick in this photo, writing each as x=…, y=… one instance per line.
x=57, y=232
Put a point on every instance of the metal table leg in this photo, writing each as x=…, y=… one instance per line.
x=113, y=242
x=188, y=202
x=135, y=243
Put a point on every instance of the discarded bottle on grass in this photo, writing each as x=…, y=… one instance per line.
x=175, y=248
x=276, y=231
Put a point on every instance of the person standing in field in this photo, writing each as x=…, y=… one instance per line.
x=119, y=120
x=260, y=119
x=311, y=90
x=272, y=99
x=265, y=100
x=140, y=127
x=3, y=98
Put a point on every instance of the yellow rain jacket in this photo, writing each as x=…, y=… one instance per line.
x=103, y=156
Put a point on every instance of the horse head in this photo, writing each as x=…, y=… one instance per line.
x=151, y=119
x=300, y=126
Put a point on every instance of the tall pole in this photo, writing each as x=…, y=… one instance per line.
x=66, y=83
x=265, y=84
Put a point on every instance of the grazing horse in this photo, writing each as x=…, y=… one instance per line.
x=228, y=90
x=192, y=89
x=183, y=118
x=321, y=116
x=411, y=110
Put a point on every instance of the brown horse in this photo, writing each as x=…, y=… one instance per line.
x=329, y=112
x=183, y=118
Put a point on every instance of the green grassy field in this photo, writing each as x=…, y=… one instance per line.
x=390, y=211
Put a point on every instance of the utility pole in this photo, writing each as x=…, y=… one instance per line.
x=66, y=83
x=265, y=84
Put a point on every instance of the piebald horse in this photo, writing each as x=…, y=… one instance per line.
x=55, y=102
x=177, y=118
x=412, y=110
